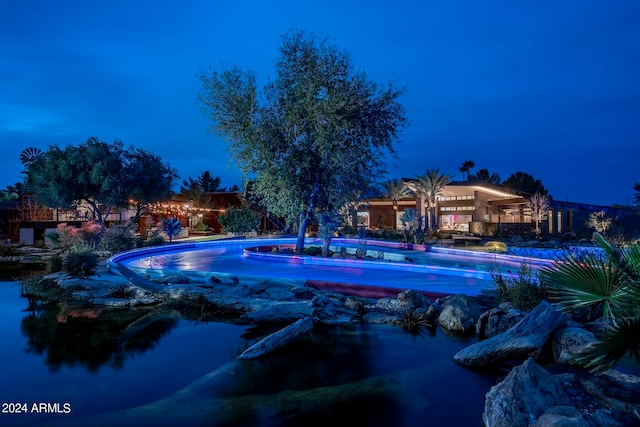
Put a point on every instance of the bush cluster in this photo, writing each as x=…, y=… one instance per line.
x=117, y=238
x=524, y=291
x=79, y=261
x=239, y=220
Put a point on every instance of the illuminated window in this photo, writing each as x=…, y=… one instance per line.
x=559, y=221
x=550, y=216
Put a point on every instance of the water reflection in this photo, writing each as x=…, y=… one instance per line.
x=10, y=271
x=92, y=337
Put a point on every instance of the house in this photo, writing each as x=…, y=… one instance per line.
x=485, y=209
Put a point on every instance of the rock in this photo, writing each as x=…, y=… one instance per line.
x=379, y=318
x=459, y=313
x=280, y=311
x=527, y=336
x=279, y=294
x=333, y=311
x=497, y=320
x=413, y=299
x=524, y=395
x=561, y=416
x=569, y=343
x=278, y=339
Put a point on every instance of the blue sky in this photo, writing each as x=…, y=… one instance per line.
x=551, y=88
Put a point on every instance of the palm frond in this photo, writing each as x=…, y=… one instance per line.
x=619, y=340
x=586, y=282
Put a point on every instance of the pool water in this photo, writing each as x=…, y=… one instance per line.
x=90, y=360
x=452, y=272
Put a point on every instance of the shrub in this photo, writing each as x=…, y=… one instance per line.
x=201, y=226
x=79, y=261
x=117, y=238
x=239, y=220
x=312, y=250
x=524, y=291
x=66, y=236
x=54, y=264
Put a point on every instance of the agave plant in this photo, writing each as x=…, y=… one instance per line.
x=609, y=283
x=172, y=226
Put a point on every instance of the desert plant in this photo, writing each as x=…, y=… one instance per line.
x=329, y=222
x=172, y=226
x=600, y=222
x=413, y=226
x=361, y=249
x=79, y=261
x=608, y=284
x=524, y=290
x=414, y=320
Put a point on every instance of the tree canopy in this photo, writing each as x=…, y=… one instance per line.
x=205, y=182
x=102, y=175
x=483, y=175
x=526, y=183
x=311, y=138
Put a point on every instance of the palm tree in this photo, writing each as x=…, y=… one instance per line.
x=467, y=165
x=608, y=283
x=429, y=187
x=396, y=190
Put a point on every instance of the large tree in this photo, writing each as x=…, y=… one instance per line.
x=100, y=175
x=526, y=183
x=483, y=175
x=313, y=136
x=636, y=187
x=147, y=179
x=205, y=182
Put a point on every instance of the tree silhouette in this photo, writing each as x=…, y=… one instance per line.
x=522, y=181
x=466, y=167
x=483, y=175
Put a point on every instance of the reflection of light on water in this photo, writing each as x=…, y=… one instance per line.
x=441, y=268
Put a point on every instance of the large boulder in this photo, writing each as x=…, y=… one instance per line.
x=518, y=342
x=523, y=396
x=561, y=416
x=498, y=320
x=459, y=314
x=570, y=343
x=411, y=300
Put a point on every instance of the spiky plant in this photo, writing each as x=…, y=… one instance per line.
x=608, y=283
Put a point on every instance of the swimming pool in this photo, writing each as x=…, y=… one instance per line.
x=443, y=270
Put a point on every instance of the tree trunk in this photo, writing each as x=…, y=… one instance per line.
x=304, y=222
x=305, y=217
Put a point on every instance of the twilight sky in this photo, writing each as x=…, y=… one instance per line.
x=551, y=88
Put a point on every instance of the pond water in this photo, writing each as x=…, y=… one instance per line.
x=90, y=364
